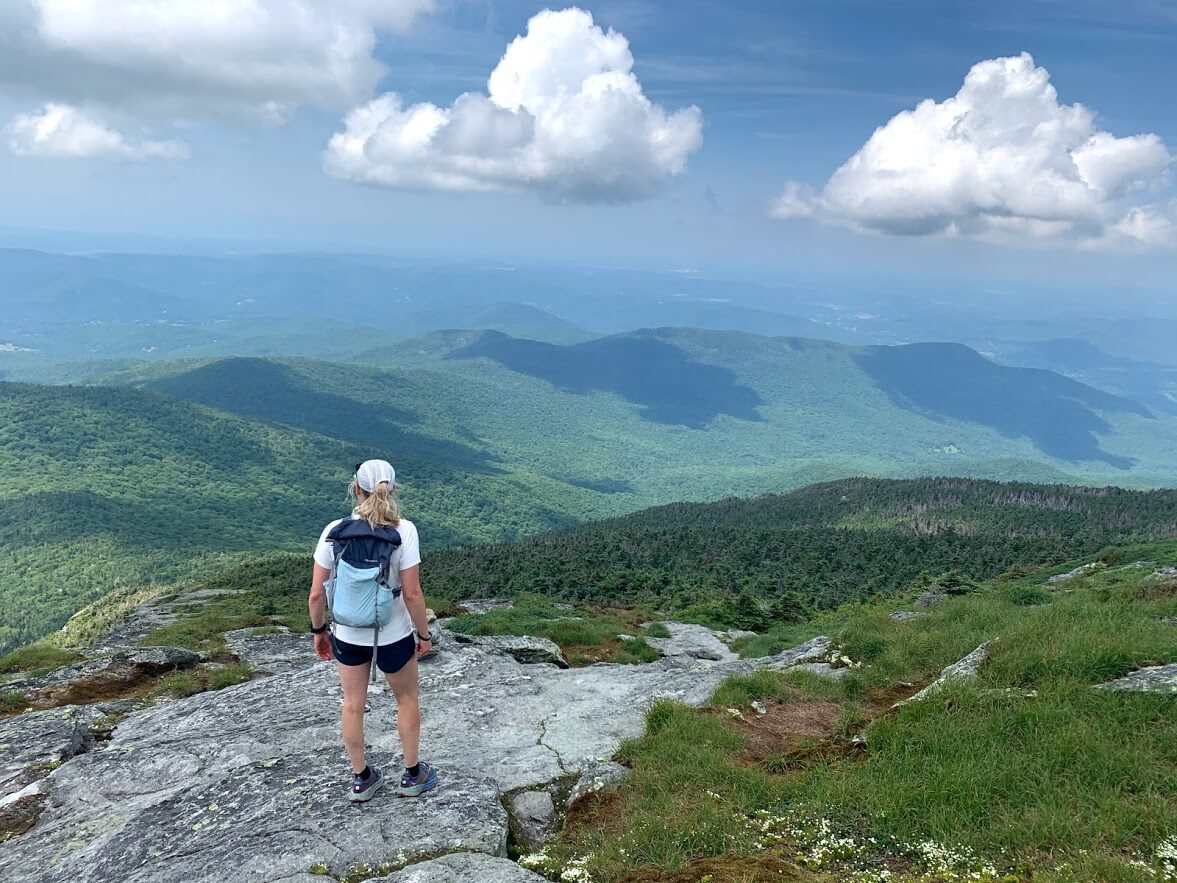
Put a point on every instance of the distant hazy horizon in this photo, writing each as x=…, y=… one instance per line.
x=1025, y=147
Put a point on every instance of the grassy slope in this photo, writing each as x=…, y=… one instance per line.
x=1066, y=783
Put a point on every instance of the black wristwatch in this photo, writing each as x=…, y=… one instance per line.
x=428, y=636
x=319, y=630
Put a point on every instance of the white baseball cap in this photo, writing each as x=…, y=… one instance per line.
x=372, y=472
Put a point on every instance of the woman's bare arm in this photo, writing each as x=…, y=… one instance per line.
x=317, y=602
x=415, y=598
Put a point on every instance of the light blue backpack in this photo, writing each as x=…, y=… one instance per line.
x=361, y=591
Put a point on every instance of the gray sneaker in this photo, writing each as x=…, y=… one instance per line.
x=364, y=789
x=415, y=786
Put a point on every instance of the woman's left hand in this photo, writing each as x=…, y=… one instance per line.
x=323, y=646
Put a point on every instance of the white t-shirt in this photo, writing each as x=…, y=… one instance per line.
x=408, y=555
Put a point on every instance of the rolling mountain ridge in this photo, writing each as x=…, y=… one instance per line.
x=167, y=466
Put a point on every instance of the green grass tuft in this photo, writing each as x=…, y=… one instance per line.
x=233, y=673
x=178, y=684
x=187, y=683
x=40, y=655
x=11, y=702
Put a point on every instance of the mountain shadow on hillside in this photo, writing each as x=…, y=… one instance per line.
x=274, y=392
x=659, y=377
x=602, y=486
x=948, y=380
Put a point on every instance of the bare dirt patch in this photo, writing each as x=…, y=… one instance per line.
x=785, y=724
x=119, y=681
x=798, y=733
x=601, y=810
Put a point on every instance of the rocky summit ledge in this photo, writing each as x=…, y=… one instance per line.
x=248, y=783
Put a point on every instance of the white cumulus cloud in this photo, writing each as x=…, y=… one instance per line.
x=191, y=59
x=563, y=115
x=1002, y=160
x=59, y=130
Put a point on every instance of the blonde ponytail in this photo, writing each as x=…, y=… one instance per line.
x=379, y=508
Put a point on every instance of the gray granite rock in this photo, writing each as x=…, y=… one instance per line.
x=271, y=653
x=814, y=650
x=736, y=634
x=822, y=670
x=596, y=776
x=1154, y=679
x=485, y=605
x=247, y=783
x=33, y=743
x=461, y=867
x=907, y=615
x=524, y=649
x=931, y=597
x=266, y=821
x=532, y=818
x=694, y=641
x=1082, y=570
x=963, y=669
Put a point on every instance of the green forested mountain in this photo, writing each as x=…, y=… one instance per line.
x=108, y=487
x=641, y=412
x=167, y=465
x=818, y=547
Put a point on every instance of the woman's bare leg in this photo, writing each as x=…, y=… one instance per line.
x=408, y=710
x=354, y=680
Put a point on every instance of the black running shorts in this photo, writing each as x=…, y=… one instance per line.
x=390, y=658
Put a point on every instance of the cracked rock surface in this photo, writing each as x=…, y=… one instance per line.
x=248, y=783
x=694, y=641
x=269, y=653
x=33, y=743
x=527, y=649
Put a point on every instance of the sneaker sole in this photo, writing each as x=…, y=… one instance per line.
x=366, y=795
x=418, y=790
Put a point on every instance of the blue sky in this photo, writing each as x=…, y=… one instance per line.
x=788, y=91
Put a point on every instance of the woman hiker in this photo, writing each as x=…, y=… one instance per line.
x=374, y=556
